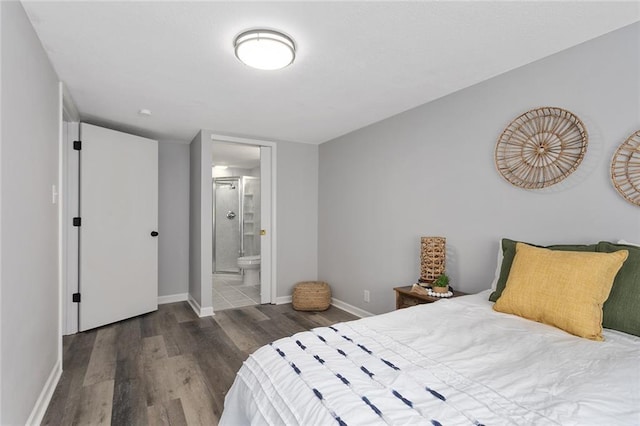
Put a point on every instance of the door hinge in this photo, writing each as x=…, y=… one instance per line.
x=76, y=298
x=77, y=145
x=77, y=221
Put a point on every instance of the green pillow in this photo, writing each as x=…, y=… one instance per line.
x=621, y=311
x=509, y=251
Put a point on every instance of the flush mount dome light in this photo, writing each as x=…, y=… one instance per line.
x=265, y=49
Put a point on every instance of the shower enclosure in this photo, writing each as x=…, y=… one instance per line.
x=236, y=221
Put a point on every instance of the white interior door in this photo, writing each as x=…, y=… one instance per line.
x=265, y=224
x=118, y=271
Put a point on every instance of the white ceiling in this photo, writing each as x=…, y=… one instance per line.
x=357, y=62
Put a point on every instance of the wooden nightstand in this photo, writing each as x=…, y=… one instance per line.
x=405, y=299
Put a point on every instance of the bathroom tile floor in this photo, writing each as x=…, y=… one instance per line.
x=229, y=292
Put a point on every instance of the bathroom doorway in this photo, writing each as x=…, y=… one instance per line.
x=236, y=225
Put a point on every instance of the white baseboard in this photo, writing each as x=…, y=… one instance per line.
x=350, y=308
x=40, y=407
x=173, y=298
x=199, y=310
x=283, y=300
x=361, y=313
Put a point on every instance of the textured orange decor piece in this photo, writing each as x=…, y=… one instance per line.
x=541, y=148
x=625, y=169
x=432, y=258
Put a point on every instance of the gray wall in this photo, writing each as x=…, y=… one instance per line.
x=430, y=171
x=297, y=215
x=173, y=218
x=200, y=221
x=29, y=221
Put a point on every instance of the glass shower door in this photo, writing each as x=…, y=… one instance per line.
x=227, y=224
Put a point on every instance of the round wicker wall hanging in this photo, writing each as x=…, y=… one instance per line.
x=625, y=169
x=541, y=147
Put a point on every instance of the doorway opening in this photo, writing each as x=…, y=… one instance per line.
x=237, y=225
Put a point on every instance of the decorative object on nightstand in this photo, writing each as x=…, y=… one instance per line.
x=416, y=295
x=440, y=287
x=432, y=258
x=541, y=148
x=311, y=296
x=418, y=289
x=625, y=169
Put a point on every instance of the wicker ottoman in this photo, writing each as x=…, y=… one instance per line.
x=311, y=296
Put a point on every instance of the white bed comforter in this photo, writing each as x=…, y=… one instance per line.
x=454, y=362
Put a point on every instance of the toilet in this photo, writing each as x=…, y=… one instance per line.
x=251, y=267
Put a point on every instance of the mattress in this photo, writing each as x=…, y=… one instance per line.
x=453, y=362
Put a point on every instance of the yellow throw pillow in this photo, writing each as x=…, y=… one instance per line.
x=565, y=289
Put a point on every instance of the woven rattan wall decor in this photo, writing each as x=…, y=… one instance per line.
x=541, y=148
x=625, y=169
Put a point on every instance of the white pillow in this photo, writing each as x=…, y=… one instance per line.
x=628, y=243
x=494, y=284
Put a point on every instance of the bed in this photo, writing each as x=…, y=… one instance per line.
x=453, y=362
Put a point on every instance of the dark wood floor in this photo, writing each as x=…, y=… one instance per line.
x=167, y=367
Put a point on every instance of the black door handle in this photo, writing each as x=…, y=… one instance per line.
x=154, y=233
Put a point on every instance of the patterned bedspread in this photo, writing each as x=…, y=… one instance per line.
x=399, y=369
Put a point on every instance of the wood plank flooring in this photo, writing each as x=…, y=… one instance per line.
x=168, y=367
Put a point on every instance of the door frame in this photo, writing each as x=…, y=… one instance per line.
x=272, y=231
x=67, y=244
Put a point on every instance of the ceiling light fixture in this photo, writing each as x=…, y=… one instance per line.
x=265, y=49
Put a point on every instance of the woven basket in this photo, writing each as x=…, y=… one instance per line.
x=311, y=296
